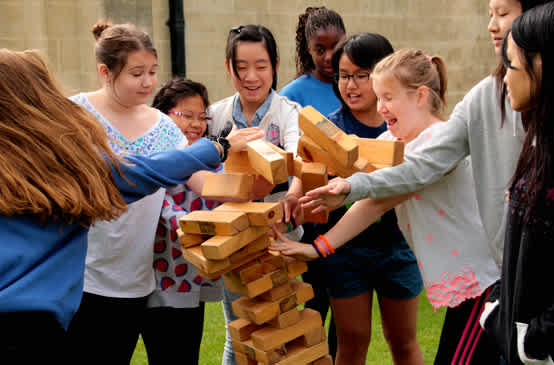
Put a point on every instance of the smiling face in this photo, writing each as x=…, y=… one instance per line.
x=254, y=73
x=356, y=91
x=399, y=106
x=519, y=86
x=502, y=13
x=321, y=47
x=190, y=116
x=136, y=81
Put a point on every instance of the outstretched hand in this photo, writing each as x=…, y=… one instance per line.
x=298, y=250
x=238, y=138
x=330, y=196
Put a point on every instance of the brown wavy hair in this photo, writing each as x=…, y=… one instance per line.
x=54, y=154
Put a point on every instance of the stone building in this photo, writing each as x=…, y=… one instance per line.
x=456, y=30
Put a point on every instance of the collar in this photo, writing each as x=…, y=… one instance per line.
x=238, y=115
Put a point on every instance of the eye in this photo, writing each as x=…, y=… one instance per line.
x=319, y=51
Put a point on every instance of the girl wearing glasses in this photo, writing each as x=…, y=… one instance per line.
x=378, y=258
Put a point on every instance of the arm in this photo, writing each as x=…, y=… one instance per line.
x=422, y=167
x=146, y=174
x=356, y=219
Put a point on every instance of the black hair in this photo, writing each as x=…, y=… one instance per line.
x=252, y=33
x=177, y=89
x=500, y=71
x=533, y=33
x=312, y=20
x=364, y=50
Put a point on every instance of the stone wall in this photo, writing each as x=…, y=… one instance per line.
x=456, y=30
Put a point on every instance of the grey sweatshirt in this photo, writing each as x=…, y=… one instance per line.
x=473, y=128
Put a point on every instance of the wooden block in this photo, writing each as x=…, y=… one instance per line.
x=259, y=213
x=313, y=337
x=267, y=162
x=241, y=329
x=260, y=311
x=381, y=152
x=271, y=262
x=314, y=175
x=268, y=338
x=217, y=274
x=195, y=256
x=298, y=354
x=219, y=267
x=330, y=137
x=298, y=167
x=214, y=222
x=286, y=319
x=190, y=239
x=238, y=162
x=256, y=287
x=296, y=268
x=227, y=186
x=262, y=357
x=288, y=156
x=310, y=151
x=243, y=359
x=250, y=271
x=277, y=293
x=325, y=360
x=220, y=247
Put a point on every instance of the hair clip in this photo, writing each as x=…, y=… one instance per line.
x=237, y=29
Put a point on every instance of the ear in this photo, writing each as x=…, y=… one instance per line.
x=422, y=95
x=228, y=67
x=104, y=72
x=537, y=66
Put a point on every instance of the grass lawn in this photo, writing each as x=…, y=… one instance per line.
x=429, y=327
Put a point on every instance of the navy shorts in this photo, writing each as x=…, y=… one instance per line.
x=391, y=270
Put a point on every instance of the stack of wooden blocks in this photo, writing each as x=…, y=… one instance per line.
x=232, y=240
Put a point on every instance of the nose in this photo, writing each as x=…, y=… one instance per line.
x=381, y=109
x=493, y=26
x=148, y=80
x=250, y=74
x=328, y=55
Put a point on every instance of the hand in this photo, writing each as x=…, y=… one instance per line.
x=298, y=250
x=291, y=208
x=330, y=196
x=238, y=138
x=262, y=187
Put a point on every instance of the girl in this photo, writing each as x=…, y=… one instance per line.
x=59, y=176
x=482, y=124
x=119, y=274
x=319, y=30
x=441, y=222
x=521, y=320
x=379, y=258
x=251, y=61
x=175, y=315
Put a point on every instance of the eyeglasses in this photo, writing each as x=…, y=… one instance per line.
x=189, y=116
x=358, y=78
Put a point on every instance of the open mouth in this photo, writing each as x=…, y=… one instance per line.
x=353, y=98
x=391, y=122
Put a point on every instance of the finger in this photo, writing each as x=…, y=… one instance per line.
x=280, y=235
x=312, y=203
x=319, y=191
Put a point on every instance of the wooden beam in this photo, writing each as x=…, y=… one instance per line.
x=259, y=213
x=227, y=186
x=220, y=247
x=381, y=152
x=238, y=162
x=330, y=137
x=267, y=162
x=214, y=222
x=190, y=239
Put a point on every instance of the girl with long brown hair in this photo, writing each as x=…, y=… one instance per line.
x=59, y=175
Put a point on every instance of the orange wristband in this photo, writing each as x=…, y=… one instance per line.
x=324, y=240
x=320, y=248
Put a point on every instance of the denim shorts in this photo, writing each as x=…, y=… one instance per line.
x=391, y=270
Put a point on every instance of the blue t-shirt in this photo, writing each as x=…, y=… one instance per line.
x=240, y=119
x=308, y=90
